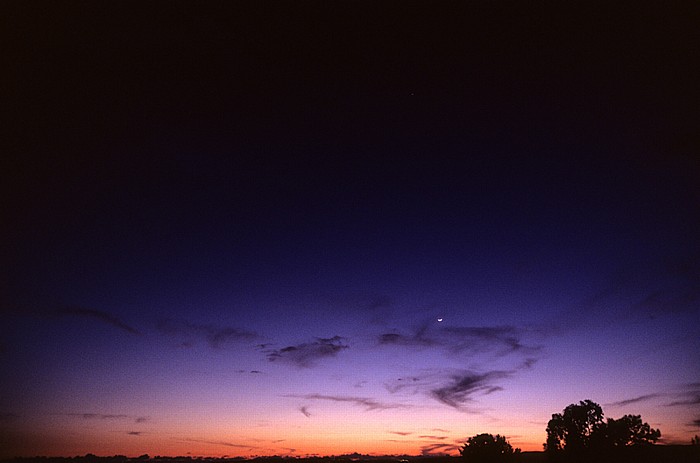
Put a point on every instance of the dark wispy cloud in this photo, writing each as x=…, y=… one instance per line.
x=688, y=400
x=634, y=400
x=366, y=402
x=401, y=433
x=462, y=388
x=93, y=314
x=217, y=442
x=216, y=336
x=686, y=395
x=689, y=396
x=105, y=416
x=695, y=423
x=500, y=340
x=438, y=449
x=307, y=354
x=433, y=437
x=99, y=416
x=665, y=286
x=305, y=411
x=135, y=433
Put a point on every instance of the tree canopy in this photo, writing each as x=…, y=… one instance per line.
x=581, y=430
x=487, y=448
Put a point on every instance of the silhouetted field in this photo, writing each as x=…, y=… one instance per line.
x=652, y=454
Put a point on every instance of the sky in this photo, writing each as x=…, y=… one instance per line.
x=323, y=228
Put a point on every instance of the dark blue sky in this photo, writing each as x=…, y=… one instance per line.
x=198, y=197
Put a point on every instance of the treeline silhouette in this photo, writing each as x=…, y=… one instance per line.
x=581, y=435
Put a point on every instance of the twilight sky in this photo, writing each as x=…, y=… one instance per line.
x=347, y=227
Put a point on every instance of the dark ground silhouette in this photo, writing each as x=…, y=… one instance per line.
x=651, y=454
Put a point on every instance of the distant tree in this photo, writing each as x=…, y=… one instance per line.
x=487, y=448
x=695, y=440
x=576, y=429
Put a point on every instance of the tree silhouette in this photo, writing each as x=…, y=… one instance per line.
x=575, y=429
x=629, y=430
x=580, y=433
x=487, y=448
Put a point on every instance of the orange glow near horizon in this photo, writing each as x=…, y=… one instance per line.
x=371, y=439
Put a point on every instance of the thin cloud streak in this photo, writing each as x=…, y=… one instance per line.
x=98, y=416
x=97, y=315
x=216, y=336
x=457, y=340
x=104, y=416
x=214, y=442
x=437, y=449
x=368, y=403
x=305, y=355
x=642, y=398
x=691, y=396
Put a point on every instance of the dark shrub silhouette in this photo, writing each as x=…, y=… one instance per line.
x=487, y=448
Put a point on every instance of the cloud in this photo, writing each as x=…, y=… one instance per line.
x=379, y=302
x=433, y=437
x=437, y=449
x=667, y=286
x=134, y=433
x=4, y=417
x=641, y=398
x=401, y=433
x=305, y=411
x=529, y=363
x=368, y=403
x=106, y=416
x=456, y=340
x=216, y=336
x=306, y=355
x=97, y=315
x=690, y=400
x=463, y=387
x=691, y=396
x=215, y=442
x=98, y=416
x=695, y=423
